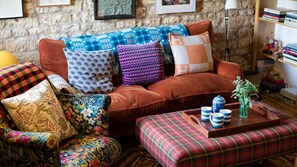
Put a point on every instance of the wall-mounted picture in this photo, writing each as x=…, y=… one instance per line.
x=175, y=6
x=114, y=9
x=42, y=3
x=11, y=9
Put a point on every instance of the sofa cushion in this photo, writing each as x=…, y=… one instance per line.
x=185, y=90
x=38, y=110
x=60, y=84
x=141, y=64
x=191, y=54
x=87, y=113
x=90, y=71
x=131, y=102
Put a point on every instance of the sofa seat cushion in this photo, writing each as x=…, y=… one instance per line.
x=89, y=150
x=192, y=90
x=131, y=102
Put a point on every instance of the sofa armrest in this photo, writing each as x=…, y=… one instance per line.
x=226, y=69
x=28, y=148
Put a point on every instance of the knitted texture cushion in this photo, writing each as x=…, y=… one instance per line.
x=191, y=54
x=141, y=64
x=90, y=71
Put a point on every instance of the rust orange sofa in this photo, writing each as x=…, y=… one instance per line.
x=170, y=94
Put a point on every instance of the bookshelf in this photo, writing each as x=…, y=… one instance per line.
x=264, y=28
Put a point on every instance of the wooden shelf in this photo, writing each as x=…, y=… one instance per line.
x=274, y=22
x=279, y=59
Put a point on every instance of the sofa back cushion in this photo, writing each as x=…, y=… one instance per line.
x=53, y=60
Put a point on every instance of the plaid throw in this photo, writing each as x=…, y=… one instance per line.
x=174, y=142
x=18, y=78
x=110, y=41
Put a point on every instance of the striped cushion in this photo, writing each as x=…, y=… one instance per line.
x=191, y=54
x=141, y=64
x=18, y=78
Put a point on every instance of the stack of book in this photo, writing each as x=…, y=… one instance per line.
x=276, y=14
x=272, y=83
x=291, y=19
x=290, y=53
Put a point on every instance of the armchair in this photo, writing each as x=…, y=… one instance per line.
x=18, y=148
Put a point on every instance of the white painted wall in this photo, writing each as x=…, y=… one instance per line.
x=286, y=35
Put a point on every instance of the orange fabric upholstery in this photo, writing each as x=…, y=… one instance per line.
x=171, y=94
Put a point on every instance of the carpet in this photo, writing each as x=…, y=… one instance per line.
x=139, y=157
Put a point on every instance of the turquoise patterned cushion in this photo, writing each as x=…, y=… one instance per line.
x=87, y=113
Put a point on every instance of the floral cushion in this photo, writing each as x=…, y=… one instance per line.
x=87, y=113
x=38, y=110
x=89, y=150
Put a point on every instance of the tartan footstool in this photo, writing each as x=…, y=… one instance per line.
x=174, y=142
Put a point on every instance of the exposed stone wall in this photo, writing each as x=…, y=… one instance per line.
x=21, y=36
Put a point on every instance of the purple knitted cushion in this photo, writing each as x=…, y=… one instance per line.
x=141, y=64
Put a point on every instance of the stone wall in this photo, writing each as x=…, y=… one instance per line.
x=21, y=36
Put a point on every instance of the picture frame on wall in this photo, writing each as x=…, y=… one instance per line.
x=107, y=9
x=44, y=3
x=10, y=9
x=175, y=6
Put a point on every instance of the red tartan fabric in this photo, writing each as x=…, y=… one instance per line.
x=18, y=78
x=174, y=142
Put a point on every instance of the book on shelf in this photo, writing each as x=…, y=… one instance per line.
x=290, y=56
x=286, y=59
x=279, y=19
x=291, y=49
x=290, y=19
x=279, y=10
x=289, y=23
x=268, y=18
x=275, y=15
x=290, y=52
x=292, y=46
x=292, y=15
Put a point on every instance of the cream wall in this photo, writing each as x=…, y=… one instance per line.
x=21, y=36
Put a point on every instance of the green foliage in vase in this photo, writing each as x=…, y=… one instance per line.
x=244, y=91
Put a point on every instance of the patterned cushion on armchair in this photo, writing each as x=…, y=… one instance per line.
x=19, y=148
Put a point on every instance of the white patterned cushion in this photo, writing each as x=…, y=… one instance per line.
x=90, y=71
x=191, y=54
x=60, y=84
x=38, y=110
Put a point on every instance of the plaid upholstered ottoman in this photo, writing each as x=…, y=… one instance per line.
x=174, y=142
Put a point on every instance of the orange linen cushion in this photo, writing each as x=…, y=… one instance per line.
x=191, y=54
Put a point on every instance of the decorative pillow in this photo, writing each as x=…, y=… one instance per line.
x=141, y=64
x=60, y=84
x=90, y=71
x=87, y=113
x=191, y=54
x=38, y=110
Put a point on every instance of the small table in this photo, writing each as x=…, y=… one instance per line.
x=175, y=143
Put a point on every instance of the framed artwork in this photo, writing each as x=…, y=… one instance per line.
x=11, y=9
x=114, y=9
x=42, y=3
x=175, y=6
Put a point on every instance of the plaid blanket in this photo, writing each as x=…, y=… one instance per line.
x=174, y=142
x=140, y=35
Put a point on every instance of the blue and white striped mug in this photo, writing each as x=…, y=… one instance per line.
x=205, y=112
x=217, y=120
x=227, y=115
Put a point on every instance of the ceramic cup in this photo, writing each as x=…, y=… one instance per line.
x=205, y=112
x=227, y=115
x=217, y=120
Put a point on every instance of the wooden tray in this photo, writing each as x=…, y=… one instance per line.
x=259, y=117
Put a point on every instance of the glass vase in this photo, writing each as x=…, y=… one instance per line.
x=243, y=110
